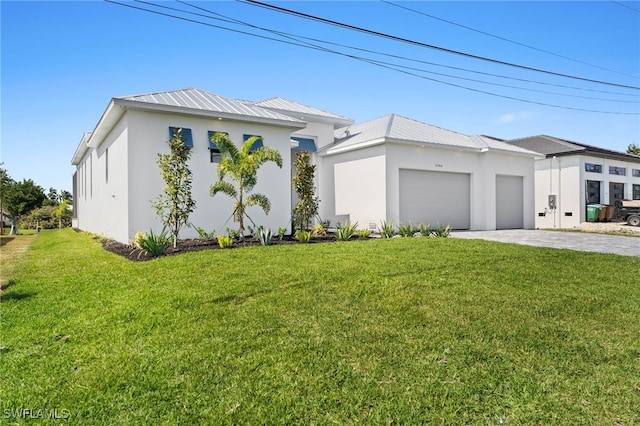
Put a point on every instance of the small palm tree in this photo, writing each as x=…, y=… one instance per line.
x=241, y=166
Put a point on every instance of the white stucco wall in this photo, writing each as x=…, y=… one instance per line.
x=565, y=176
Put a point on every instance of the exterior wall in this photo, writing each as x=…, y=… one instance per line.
x=333, y=193
x=148, y=136
x=567, y=178
x=102, y=187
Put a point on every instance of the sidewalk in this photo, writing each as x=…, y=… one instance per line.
x=625, y=246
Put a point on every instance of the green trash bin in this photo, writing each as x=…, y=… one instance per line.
x=592, y=212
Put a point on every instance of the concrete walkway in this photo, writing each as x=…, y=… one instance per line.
x=625, y=246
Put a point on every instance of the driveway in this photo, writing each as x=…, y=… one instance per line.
x=625, y=246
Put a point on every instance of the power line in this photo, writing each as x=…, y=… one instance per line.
x=504, y=39
x=298, y=37
x=624, y=5
x=425, y=45
x=367, y=60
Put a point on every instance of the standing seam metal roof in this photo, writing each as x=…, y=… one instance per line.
x=201, y=100
x=291, y=106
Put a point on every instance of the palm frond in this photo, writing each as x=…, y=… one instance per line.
x=225, y=188
x=259, y=200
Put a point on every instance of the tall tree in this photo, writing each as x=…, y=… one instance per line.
x=175, y=204
x=19, y=198
x=241, y=166
x=303, y=184
x=633, y=149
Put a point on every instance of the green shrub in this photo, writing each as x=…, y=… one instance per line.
x=407, y=229
x=363, y=233
x=45, y=217
x=152, y=244
x=441, y=231
x=264, y=236
x=225, y=241
x=387, y=229
x=345, y=232
x=319, y=230
x=204, y=235
x=303, y=236
x=425, y=230
x=281, y=231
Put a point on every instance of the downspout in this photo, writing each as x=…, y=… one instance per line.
x=559, y=200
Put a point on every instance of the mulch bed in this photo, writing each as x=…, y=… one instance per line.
x=131, y=252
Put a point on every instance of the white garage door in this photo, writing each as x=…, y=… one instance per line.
x=435, y=198
x=509, y=202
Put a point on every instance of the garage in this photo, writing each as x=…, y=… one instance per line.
x=509, y=202
x=435, y=198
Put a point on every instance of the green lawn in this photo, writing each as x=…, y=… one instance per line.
x=398, y=331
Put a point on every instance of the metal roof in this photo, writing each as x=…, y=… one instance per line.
x=300, y=110
x=401, y=129
x=549, y=145
x=197, y=99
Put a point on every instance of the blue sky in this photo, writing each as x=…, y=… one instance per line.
x=63, y=61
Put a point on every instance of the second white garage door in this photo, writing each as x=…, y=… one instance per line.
x=435, y=198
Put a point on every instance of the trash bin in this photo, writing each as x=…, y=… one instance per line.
x=592, y=212
x=602, y=213
x=611, y=212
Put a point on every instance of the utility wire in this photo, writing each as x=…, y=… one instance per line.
x=619, y=3
x=364, y=60
x=504, y=39
x=425, y=45
x=297, y=38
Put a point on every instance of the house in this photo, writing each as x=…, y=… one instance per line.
x=389, y=169
x=572, y=175
x=401, y=170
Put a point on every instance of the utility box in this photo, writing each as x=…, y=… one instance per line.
x=552, y=201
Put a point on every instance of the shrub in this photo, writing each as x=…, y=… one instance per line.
x=204, y=235
x=387, y=229
x=225, y=241
x=318, y=230
x=303, y=236
x=281, y=231
x=442, y=231
x=46, y=218
x=407, y=229
x=425, y=230
x=364, y=233
x=152, y=244
x=264, y=236
x=345, y=232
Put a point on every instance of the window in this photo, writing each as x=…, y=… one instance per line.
x=304, y=144
x=214, y=153
x=619, y=171
x=636, y=192
x=593, y=168
x=635, y=172
x=257, y=144
x=186, y=135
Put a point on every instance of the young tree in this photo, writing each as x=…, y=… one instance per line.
x=241, y=166
x=175, y=204
x=307, y=206
x=19, y=198
x=633, y=149
x=60, y=211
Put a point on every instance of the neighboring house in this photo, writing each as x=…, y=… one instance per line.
x=400, y=170
x=573, y=175
x=392, y=168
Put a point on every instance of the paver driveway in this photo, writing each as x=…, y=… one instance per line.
x=626, y=246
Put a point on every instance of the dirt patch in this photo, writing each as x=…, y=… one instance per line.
x=185, y=246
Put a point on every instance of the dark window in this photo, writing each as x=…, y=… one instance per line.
x=186, y=135
x=593, y=168
x=214, y=153
x=635, y=172
x=618, y=171
x=636, y=192
x=257, y=144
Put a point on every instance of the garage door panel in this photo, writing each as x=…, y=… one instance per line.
x=435, y=198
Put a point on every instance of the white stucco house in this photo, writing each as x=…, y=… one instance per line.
x=391, y=168
x=572, y=175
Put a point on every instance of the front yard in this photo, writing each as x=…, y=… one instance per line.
x=394, y=331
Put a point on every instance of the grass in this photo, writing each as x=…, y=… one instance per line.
x=386, y=331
